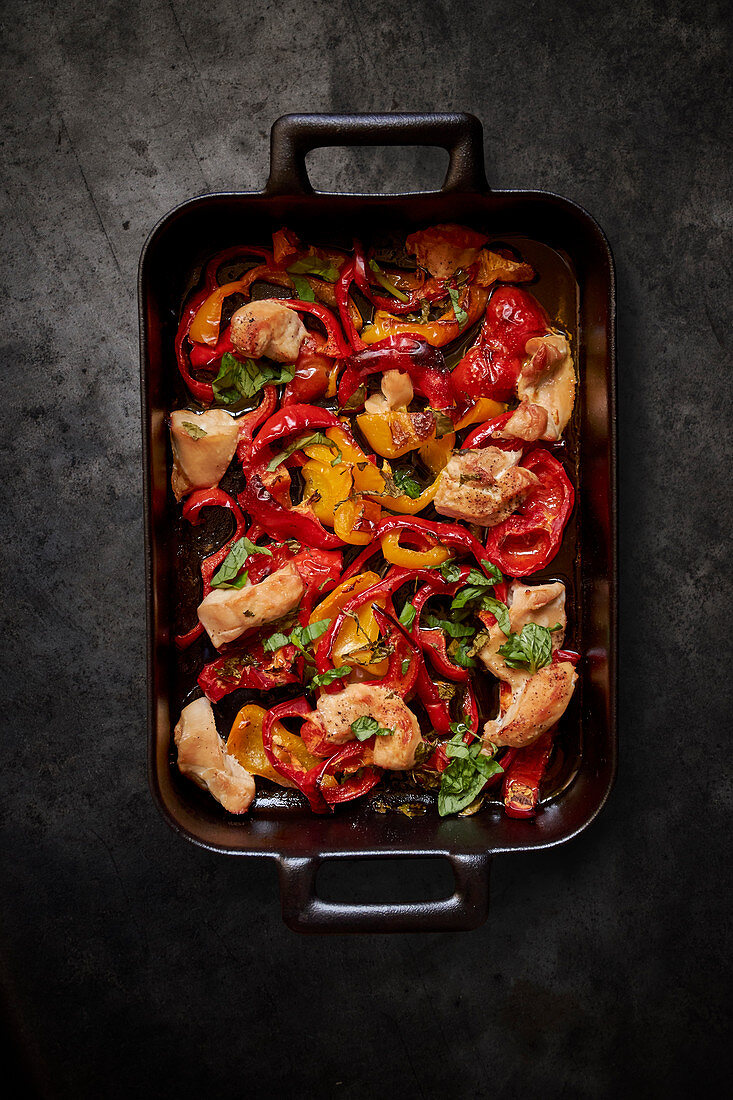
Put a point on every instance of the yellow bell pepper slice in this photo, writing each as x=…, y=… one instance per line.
x=439, y=332
x=355, y=520
x=326, y=487
x=436, y=452
x=352, y=645
x=391, y=434
x=207, y=322
x=245, y=745
x=412, y=559
x=483, y=409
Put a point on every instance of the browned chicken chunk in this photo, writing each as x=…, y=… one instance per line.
x=228, y=613
x=203, y=446
x=547, y=380
x=539, y=700
x=203, y=758
x=268, y=328
x=335, y=713
x=483, y=486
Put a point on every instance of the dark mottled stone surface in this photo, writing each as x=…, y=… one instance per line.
x=137, y=965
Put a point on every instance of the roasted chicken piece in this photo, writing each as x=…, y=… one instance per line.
x=444, y=249
x=267, y=328
x=397, y=392
x=202, y=757
x=203, y=446
x=547, y=382
x=335, y=713
x=228, y=613
x=537, y=701
x=483, y=486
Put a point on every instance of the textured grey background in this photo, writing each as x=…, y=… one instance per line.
x=137, y=965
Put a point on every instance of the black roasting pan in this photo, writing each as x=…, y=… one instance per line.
x=281, y=827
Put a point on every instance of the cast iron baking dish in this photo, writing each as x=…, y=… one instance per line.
x=561, y=239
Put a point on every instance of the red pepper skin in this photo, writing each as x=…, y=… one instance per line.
x=388, y=585
x=248, y=424
x=284, y=523
x=437, y=709
x=307, y=781
x=450, y=534
x=395, y=677
x=312, y=374
x=529, y=539
x=209, y=498
x=202, y=356
x=435, y=647
x=351, y=756
x=566, y=655
x=336, y=346
x=346, y=278
x=492, y=366
x=288, y=421
x=485, y=435
x=522, y=779
x=249, y=675
x=410, y=354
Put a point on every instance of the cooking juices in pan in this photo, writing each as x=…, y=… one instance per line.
x=415, y=786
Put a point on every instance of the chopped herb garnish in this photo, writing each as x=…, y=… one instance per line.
x=406, y=483
x=302, y=288
x=461, y=315
x=228, y=575
x=450, y=572
x=304, y=441
x=465, y=776
x=323, y=679
x=314, y=265
x=386, y=283
x=193, y=430
x=237, y=380
x=365, y=727
x=532, y=648
x=407, y=615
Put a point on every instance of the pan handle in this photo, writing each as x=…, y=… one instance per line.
x=304, y=911
x=294, y=136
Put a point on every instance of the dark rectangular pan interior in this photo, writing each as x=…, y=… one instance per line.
x=558, y=233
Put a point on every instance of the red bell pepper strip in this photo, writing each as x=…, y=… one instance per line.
x=486, y=434
x=521, y=787
x=529, y=539
x=395, y=677
x=312, y=375
x=352, y=758
x=306, y=781
x=247, y=668
x=292, y=419
x=565, y=655
x=491, y=368
x=284, y=523
x=346, y=278
x=450, y=534
x=336, y=346
x=250, y=421
x=437, y=709
x=209, y=498
x=410, y=354
x=202, y=356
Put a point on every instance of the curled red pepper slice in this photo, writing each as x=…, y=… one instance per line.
x=336, y=346
x=292, y=419
x=306, y=781
x=346, y=278
x=449, y=534
x=284, y=523
x=529, y=539
x=250, y=421
x=522, y=778
x=351, y=758
x=425, y=365
x=209, y=498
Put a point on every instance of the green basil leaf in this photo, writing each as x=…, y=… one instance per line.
x=237, y=380
x=193, y=430
x=532, y=648
x=275, y=641
x=454, y=630
x=460, y=783
x=467, y=595
x=462, y=654
x=493, y=571
x=443, y=423
x=323, y=679
x=460, y=313
x=450, y=572
x=304, y=635
x=500, y=611
x=405, y=666
x=486, y=765
x=407, y=615
x=230, y=567
x=365, y=727
x=314, y=265
x=298, y=444
x=385, y=282
x=406, y=483
x=302, y=288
